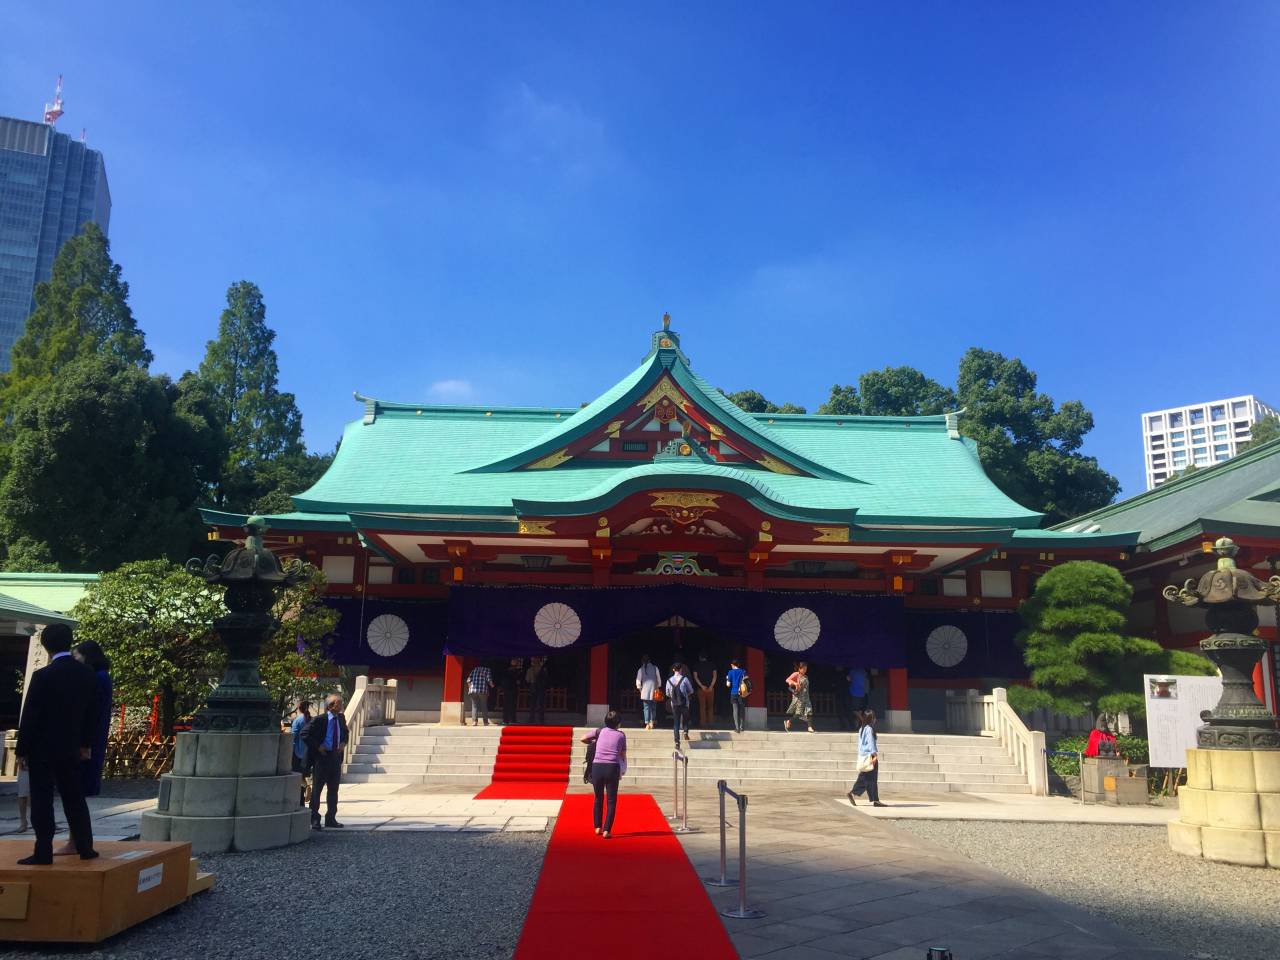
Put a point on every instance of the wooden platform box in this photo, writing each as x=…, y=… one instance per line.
x=87, y=901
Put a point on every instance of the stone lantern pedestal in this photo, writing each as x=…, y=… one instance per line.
x=232, y=786
x=1230, y=808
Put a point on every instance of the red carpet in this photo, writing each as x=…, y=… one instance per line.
x=532, y=764
x=634, y=895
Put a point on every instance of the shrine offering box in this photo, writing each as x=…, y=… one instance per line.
x=86, y=901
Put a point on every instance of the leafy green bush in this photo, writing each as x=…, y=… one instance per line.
x=1134, y=749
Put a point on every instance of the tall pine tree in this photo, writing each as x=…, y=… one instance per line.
x=262, y=427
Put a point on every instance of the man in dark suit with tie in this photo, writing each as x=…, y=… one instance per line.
x=54, y=735
x=327, y=739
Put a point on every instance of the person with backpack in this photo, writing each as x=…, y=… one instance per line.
x=607, y=756
x=679, y=697
x=739, y=685
x=301, y=752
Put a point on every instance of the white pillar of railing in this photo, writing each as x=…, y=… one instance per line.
x=1025, y=746
x=372, y=704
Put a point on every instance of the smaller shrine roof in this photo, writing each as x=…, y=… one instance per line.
x=1240, y=496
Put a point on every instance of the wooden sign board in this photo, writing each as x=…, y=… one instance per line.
x=86, y=901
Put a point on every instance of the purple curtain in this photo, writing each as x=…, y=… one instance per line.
x=821, y=627
x=388, y=633
x=963, y=643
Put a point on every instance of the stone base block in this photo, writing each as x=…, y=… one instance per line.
x=208, y=754
x=1199, y=770
x=1272, y=843
x=1192, y=808
x=451, y=712
x=1246, y=847
x=1269, y=807
x=595, y=713
x=897, y=721
x=1266, y=770
x=1184, y=838
x=1233, y=770
x=228, y=796
x=220, y=834
x=757, y=718
x=1236, y=811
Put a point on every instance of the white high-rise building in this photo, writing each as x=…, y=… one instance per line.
x=1201, y=434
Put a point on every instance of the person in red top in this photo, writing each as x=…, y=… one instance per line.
x=1102, y=742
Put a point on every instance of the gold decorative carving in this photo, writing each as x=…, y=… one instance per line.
x=550, y=460
x=615, y=428
x=602, y=527
x=663, y=388
x=602, y=521
x=831, y=535
x=537, y=528
x=777, y=466
x=666, y=321
x=766, y=526
x=716, y=431
x=684, y=507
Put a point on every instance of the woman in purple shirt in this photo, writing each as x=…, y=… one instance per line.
x=607, y=767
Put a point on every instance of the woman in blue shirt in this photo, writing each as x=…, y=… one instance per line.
x=868, y=761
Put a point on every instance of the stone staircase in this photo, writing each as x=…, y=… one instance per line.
x=915, y=763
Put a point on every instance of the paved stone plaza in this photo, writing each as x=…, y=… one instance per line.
x=835, y=881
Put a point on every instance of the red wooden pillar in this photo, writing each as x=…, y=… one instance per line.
x=757, y=712
x=598, y=689
x=453, y=698
x=898, y=715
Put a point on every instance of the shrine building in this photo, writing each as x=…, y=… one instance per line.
x=661, y=519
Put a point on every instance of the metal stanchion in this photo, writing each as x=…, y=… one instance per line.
x=722, y=880
x=741, y=911
x=680, y=812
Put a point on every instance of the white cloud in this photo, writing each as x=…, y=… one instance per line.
x=452, y=391
x=549, y=132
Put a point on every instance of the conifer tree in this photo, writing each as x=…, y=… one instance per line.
x=260, y=424
x=81, y=311
x=1077, y=647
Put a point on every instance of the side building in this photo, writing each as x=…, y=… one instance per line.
x=662, y=520
x=50, y=187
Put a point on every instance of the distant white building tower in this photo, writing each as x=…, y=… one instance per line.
x=1201, y=434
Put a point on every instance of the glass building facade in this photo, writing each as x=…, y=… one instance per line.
x=50, y=186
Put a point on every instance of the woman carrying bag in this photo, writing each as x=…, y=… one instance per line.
x=868, y=761
x=801, y=704
x=607, y=752
x=649, y=683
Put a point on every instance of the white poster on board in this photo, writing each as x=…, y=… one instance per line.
x=1174, y=705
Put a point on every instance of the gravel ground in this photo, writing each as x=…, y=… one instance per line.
x=1128, y=874
x=416, y=895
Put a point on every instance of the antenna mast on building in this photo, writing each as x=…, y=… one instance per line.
x=52, y=111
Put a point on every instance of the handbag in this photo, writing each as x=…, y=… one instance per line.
x=658, y=695
x=590, y=759
x=866, y=763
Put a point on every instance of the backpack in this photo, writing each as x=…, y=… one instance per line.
x=676, y=693
x=744, y=686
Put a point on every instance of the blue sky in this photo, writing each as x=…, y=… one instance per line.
x=494, y=204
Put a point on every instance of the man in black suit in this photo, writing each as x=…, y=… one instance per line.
x=54, y=735
x=327, y=739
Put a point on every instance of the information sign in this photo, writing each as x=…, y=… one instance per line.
x=1174, y=704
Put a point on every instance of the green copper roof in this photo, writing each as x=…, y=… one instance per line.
x=1238, y=495
x=11, y=608
x=451, y=466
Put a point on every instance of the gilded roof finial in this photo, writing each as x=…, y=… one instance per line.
x=666, y=321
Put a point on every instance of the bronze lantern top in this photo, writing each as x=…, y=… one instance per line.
x=250, y=563
x=1227, y=583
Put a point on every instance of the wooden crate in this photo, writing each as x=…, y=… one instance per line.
x=85, y=901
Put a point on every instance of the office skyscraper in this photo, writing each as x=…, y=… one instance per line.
x=50, y=186
x=1198, y=435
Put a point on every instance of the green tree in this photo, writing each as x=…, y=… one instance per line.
x=260, y=423
x=81, y=311
x=105, y=464
x=155, y=622
x=295, y=663
x=1078, y=650
x=753, y=401
x=284, y=477
x=1264, y=431
x=1030, y=447
x=843, y=402
x=903, y=392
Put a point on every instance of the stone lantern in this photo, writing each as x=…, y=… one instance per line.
x=1230, y=807
x=232, y=785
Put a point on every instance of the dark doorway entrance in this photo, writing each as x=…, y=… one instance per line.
x=671, y=641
